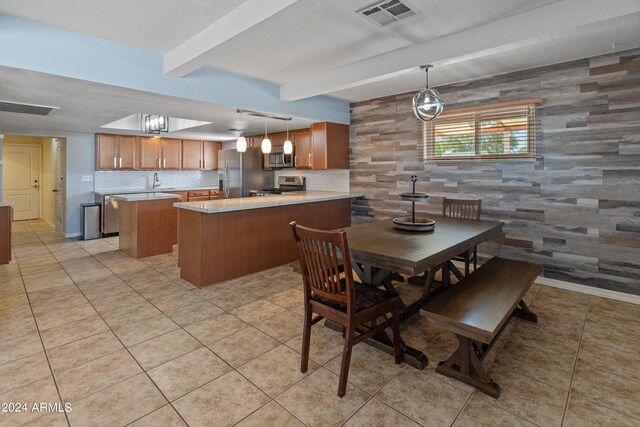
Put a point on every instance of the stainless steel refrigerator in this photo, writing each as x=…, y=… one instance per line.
x=242, y=172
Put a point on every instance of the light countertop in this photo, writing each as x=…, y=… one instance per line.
x=5, y=204
x=141, y=197
x=245, y=203
x=154, y=190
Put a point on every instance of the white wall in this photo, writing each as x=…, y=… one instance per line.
x=48, y=181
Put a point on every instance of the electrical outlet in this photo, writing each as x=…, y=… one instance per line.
x=87, y=178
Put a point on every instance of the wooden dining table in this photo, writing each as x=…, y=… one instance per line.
x=378, y=251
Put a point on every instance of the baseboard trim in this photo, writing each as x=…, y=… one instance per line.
x=590, y=290
x=72, y=235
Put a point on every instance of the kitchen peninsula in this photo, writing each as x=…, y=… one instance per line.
x=224, y=239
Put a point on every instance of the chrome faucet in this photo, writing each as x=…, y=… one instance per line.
x=156, y=181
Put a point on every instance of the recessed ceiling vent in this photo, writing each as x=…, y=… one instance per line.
x=18, y=107
x=387, y=12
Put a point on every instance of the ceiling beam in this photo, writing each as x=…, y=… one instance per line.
x=193, y=53
x=532, y=27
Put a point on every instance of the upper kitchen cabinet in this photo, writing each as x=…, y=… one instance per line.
x=200, y=155
x=303, y=149
x=171, y=153
x=329, y=146
x=210, y=151
x=116, y=152
x=278, y=138
x=192, y=154
x=160, y=153
x=150, y=153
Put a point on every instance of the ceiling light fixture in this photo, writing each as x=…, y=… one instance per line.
x=427, y=104
x=154, y=124
x=241, y=143
x=288, y=145
x=266, y=142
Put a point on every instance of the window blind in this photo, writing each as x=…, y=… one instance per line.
x=505, y=130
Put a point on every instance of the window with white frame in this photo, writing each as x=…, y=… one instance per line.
x=495, y=131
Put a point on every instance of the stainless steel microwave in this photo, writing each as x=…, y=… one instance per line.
x=277, y=158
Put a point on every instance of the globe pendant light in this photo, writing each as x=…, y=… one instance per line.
x=288, y=145
x=266, y=142
x=427, y=104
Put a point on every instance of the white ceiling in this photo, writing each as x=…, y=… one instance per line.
x=312, y=47
x=85, y=106
x=154, y=25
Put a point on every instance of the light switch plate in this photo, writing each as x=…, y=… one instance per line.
x=87, y=178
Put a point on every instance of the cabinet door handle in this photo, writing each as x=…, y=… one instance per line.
x=158, y=161
x=309, y=159
x=164, y=163
x=204, y=164
x=120, y=161
x=295, y=161
x=200, y=164
x=114, y=162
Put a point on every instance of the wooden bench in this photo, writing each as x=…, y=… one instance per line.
x=476, y=310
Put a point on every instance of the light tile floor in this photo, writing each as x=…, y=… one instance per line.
x=127, y=342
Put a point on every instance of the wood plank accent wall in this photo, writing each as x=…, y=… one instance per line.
x=575, y=209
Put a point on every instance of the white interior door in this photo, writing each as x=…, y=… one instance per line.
x=21, y=179
x=58, y=152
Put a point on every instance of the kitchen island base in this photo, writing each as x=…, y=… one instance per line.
x=148, y=227
x=214, y=247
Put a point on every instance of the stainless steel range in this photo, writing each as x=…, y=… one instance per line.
x=286, y=184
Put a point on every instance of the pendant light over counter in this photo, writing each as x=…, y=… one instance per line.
x=241, y=142
x=427, y=104
x=266, y=142
x=288, y=145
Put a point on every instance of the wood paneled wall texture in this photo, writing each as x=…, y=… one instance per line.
x=575, y=209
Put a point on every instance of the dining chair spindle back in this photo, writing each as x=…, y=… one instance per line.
x=464, y=209
x=331, y=293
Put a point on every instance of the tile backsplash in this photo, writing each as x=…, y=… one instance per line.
x=134, y=180
x=321, y=180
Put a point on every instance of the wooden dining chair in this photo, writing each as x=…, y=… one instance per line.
x=331, y=292
x=465, y=209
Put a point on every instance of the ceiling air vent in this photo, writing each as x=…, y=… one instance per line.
x=18, y=107
x=387, y=12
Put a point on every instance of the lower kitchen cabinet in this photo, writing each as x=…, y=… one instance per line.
x=6, y=216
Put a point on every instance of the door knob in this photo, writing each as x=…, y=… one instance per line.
x=35, y=186
x=55, y=191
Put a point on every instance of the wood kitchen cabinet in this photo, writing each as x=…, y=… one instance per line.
x=327, y=147
x=150, y=153
x=303, y=149
x=116, y=152
x=171, y=153
x=216, y=194
x=191, y=154
x=278, y=139
x=160, y=153
x=6, y=218
x=200, y=155
x=210, y=151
